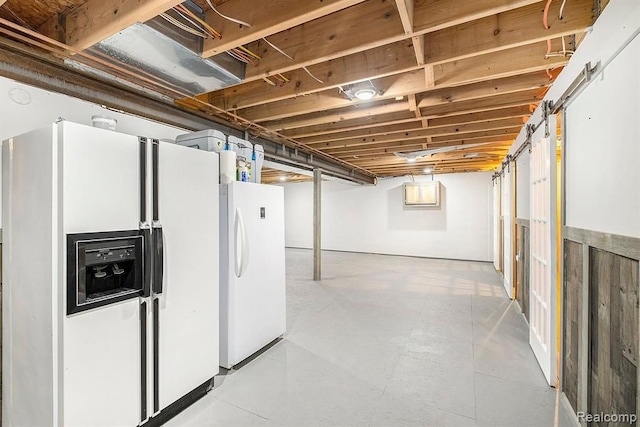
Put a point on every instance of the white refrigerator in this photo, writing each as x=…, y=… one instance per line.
x=110, y=277
x=252, y=269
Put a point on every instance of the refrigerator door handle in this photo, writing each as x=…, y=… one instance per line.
x=158, y=258
x=242, y=245
x=148, y=259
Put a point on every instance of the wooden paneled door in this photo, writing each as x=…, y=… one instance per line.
x=543, y=299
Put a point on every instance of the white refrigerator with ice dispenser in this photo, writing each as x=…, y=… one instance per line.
x=110, y=308
x=252, y=269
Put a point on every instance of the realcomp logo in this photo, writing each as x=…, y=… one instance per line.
x=607, y=418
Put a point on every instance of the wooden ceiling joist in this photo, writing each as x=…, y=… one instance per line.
x=394, y=133
x=369, y=125
x=319, y=41
x=487, y=67
x=510, y=29
x=372, y=63
x=346, y=125
x=267, y=18
x=389, y=143
x=95, y=20
x=527, y=97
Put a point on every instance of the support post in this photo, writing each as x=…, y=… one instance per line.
x=317, y=204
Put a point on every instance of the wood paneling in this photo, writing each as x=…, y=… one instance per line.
x=613, y=288
x=573, y=322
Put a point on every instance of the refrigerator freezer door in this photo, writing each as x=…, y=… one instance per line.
x=102, y=350
x=102, y=366
x=255, y=309
x=187, y=328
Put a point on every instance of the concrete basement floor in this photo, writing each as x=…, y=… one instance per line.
x=389, y=341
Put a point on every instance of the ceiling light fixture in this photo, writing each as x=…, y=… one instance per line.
x=282, y=178
x=362, y=91
x=365, y=94
x=411, y=159
x=428, y=170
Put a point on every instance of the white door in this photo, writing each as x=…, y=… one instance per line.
x=496, y=223
x=187, y=324
x=256, y=292
x=542, y=332
x=507, y=269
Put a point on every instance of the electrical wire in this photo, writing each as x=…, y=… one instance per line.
x=201, y=21
x=189, y=20
x=183, y=26
x=228, y=18
x=312, y=76
x=277, y=48
x=235, y=56
x=545, y=17
x=248, y=52
x=562, y=9
x=269, y=81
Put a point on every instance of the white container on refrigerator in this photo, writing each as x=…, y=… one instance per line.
x=252, y=268
x=205, y=140
x=124, y=357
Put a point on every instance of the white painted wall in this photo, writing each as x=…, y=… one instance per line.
x=46, y=107
x=523, y=185
x=603, y=150
x=373, y=218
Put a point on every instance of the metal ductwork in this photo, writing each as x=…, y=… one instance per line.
x=170, y=54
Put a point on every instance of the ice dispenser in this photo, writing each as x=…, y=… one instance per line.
x=103, y=268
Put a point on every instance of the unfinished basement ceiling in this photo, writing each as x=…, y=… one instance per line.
x=446, y=73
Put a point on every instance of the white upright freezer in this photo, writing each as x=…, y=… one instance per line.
x=252, y=269
x=110, y=308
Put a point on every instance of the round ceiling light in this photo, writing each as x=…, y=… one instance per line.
x=365, y=94
x=428, y=170
x=282, y=178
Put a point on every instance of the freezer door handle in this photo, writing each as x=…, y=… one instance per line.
x=158, y=258
x=148, y=260
x=241, y=245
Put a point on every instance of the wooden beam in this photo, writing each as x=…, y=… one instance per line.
x=391, y=87
x=344, y=114
x=485, y=67
x=95, y=20
x=518, y=111
x=433, y=15
x=443, y=46
x=526, y=97
x=329, y=37
x=346, y=125
x=405, y=9
x=267, y=18
x=370, y=125
x=536, y=80
x=418, y=48
x=404, y=132
x=502, y=148
x=472, y=131
x=499, y=64
x=364, y=26
x=370, y=64
x=509, y=29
